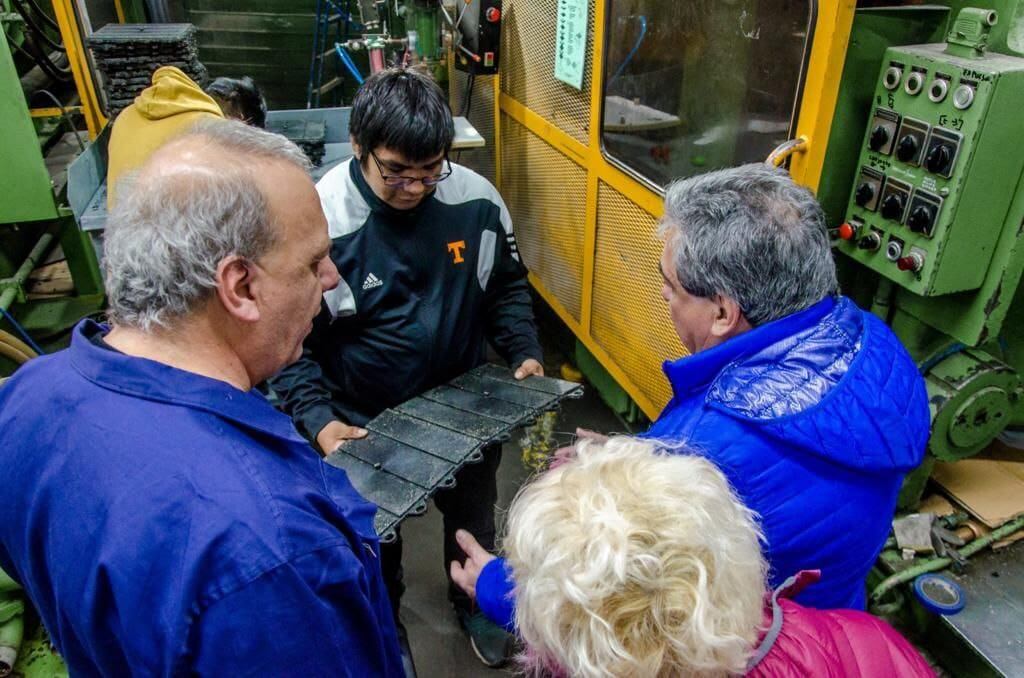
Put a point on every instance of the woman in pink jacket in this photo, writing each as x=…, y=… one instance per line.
x=627, y=561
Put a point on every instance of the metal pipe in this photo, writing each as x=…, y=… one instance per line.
x=936, y=564
x=40, y=250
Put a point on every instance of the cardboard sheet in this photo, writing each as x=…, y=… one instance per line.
x=990, y=486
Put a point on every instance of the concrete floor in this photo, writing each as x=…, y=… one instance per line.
x=439, y=647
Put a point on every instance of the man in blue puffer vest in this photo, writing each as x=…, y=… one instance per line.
x=810, y=406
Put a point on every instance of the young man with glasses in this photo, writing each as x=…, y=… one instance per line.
x=429, y=275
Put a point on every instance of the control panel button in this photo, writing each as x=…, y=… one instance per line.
x=920, y=219
x=893, y=205
x=963, y=97
x=847, y=231
x=895, y=197
x=923, y=212
x=940, y=157
x=912, y=136
x=892, y=77
x=879, y=138
x=914, y=83
x=937, y=92
x=869, y=188
x=894, y=250
x=864, y=195
x=882, y=134
x=907, y=148
x=913, y=262
x=493, y=15
x=870, y=242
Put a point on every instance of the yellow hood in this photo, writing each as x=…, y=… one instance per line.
x=173, y=93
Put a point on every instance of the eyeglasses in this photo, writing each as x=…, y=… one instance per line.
x=402, y=182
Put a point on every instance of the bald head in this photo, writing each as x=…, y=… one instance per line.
x=198, y=199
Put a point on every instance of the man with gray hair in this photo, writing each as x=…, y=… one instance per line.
x=810, y=406
x=162, y=516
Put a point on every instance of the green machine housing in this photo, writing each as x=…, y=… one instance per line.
x=936, y=211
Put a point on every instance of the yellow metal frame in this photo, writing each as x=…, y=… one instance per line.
x=53, y=111
x=67, y=20
x=833, y=22
x=120, y=11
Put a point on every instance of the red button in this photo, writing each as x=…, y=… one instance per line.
x=493, y=14
x=846, y=232
x=908, y=263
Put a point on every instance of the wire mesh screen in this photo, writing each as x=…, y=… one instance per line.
x=546, y=194
x=630, y=320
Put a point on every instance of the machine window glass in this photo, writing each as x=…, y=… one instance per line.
x=695, y=85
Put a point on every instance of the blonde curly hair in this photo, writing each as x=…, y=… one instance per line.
x=630, y=560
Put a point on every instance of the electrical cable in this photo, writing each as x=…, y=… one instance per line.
x=46, y=17
x=64, y=114
x=21, y=330
x=632, y=52
x=15, y=349
x=349, y=64
x=42, y=61
x=36, y=29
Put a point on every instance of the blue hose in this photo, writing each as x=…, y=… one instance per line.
x=21, y=331
x=636, y=46
x=349, y=64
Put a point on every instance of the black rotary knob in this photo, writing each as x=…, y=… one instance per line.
x=907, y=147
x=920, y=219
x=865, y=192
x=871, y=242
x=892, y=206
x=938, y=159
x=879, y=137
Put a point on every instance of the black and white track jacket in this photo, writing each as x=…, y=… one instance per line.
x=421, y=291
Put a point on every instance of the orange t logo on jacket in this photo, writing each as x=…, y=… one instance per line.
x=456, y=249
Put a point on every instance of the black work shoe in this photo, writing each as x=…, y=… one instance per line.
x=492, y=644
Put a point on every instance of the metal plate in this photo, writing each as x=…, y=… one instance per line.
x=391, y=493
x=417, y=448
x=441, y=442
x=504, y=391
x=487, y=405
x=476, y=425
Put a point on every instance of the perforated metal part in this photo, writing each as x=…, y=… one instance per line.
x=630, y=320
x=527, y=71
x=546, y=194
x=481, y=116
x=417, y=448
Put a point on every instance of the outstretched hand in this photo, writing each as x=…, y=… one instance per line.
x=466, y=574
x=530, y=367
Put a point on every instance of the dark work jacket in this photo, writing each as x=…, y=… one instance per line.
x=421, y=292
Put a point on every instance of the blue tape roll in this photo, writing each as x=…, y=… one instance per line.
x=939, y=594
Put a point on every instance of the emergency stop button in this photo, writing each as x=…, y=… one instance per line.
x=846, y=232
x=493, y=14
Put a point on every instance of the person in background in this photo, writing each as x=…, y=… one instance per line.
x=429, y=275
x=631, y=560
x=239, y=99
x=164, y=518
x=168, y=107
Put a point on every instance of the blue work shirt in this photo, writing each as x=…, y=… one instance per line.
x=165, y=523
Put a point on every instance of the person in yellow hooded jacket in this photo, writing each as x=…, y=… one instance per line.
x=169, y=106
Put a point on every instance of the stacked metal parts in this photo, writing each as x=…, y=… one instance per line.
x=417, y=448
x=127, y=55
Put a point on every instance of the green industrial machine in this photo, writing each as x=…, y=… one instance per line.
x=34, y=219
x=935, y=211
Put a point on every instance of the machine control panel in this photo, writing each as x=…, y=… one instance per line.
x=938, y=167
